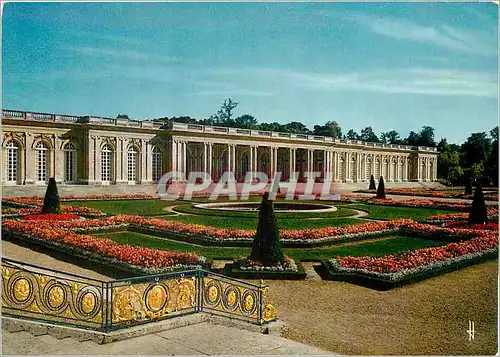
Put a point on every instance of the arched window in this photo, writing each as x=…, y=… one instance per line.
x=42, y=161
x=12, y=161
x=69, y=162
x=132, y=163
x=157, y=164
x=106, y=163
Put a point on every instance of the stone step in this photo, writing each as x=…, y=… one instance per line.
x=310, y=271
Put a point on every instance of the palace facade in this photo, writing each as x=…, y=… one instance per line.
x=92, y=150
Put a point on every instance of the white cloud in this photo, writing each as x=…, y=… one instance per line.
x=120, y=54
x=443, y=36
x=428, y=81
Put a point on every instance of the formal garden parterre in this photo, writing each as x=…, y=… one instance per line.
x=441, y=239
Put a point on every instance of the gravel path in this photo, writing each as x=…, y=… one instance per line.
x=31, y=256
x=427, y=318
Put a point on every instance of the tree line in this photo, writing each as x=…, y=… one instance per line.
x=476, y=159
x=225, y=117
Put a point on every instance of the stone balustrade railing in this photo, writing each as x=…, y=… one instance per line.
x=259, y=133
x=46, y=117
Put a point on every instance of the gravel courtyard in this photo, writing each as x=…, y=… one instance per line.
x=427, y=318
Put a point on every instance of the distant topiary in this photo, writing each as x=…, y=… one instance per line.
x=381, y=188
x=266, y=248
x=468, y=188
x=51, y=202
x=372, y=183
x=478, y=213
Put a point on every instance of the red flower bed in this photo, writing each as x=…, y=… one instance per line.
x=131, y=196
x=416, y=202
x=492, y=212
x=463, y=224
x=247, y=234
x=431, y=193
x=37, y=203
x=414, y=259
x=144, y=257
x=51, y=217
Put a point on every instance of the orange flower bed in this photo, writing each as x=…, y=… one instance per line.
x=136, y=256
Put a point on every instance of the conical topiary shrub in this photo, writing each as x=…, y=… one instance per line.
x=468, y=188
x=372, y=183
x=381, y=188
x=51, y=203
x=478, y=213
x=266, y=248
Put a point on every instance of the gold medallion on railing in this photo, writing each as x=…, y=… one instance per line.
x=248, y=302
x=88, y=301
x=56, y=296
x=231, y=298
x=156, y=297
x=22, y=289
x=212, y=292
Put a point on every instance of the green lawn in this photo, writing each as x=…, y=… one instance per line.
x=251, y=223
x=390, y=212
x=383, y=246
x=133, y=207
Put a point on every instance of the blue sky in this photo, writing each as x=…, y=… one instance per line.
x=389, y=66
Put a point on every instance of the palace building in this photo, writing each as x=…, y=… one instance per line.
x=88, y=150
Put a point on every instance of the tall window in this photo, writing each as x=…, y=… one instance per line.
x=132, y=163
x=12, y=161
x=42, y=161
x=69, y=162
x=157, y=164
x=106, y=163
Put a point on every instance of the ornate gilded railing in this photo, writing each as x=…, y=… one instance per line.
x=32, y=292
x=37, y=293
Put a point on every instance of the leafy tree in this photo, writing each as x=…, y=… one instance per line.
x=390, y=137
x=372, y=183
x=478, y=213
x=331, y=128
x=412, y=139
x=271, y=127
x=352, y=135
x=381, y=188
x=184, y=119
x=476, y=149
x=266, y=247
x=367, y=134
x=51, y=202
x=122, y=116
x=426, y=137
x=224, y=115
x=449, y=165
x=492, y=161
x=443, y=145
x=295, y=128
x=494, y=133
x=246, y=121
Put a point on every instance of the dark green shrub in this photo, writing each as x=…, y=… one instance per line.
x=478, y=213
x=51, y=202
x=468, y=188
x=266, y=247
x=372, y=184
x=381, y=188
